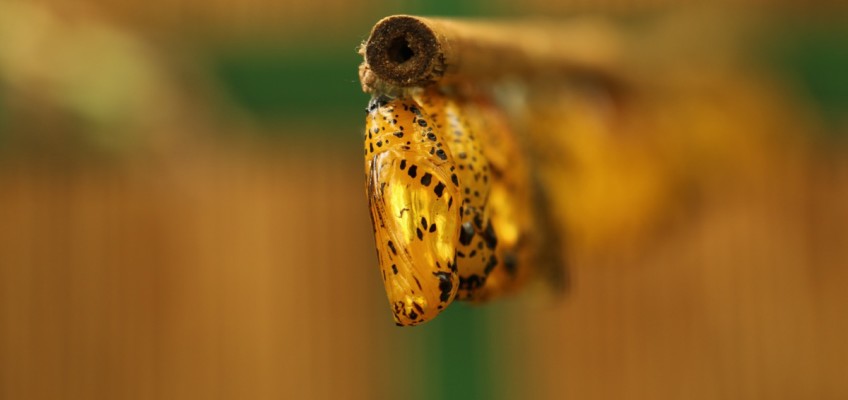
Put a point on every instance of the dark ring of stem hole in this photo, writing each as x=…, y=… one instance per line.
x=401, y=51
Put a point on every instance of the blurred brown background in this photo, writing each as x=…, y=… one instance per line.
x=182, y=215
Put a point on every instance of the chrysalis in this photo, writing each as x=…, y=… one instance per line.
x=415, y=208
x=444, y=179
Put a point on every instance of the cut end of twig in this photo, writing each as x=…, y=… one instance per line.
x=404, y=51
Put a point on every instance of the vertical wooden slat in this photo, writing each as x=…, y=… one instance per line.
x=221, y=276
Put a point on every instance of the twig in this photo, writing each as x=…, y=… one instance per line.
x=406, y=51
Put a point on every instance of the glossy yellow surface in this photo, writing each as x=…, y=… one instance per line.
x=445, y=179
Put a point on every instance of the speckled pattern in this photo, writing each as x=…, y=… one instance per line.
x=415, y=208
x=428, y=181
x=477, y=239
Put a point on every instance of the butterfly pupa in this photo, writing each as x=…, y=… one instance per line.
x=476, y=257
x=415, y=206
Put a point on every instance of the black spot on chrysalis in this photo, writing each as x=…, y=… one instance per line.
x=466, y=233
x=490, y=237
x=439, y=189
x=445, y=285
